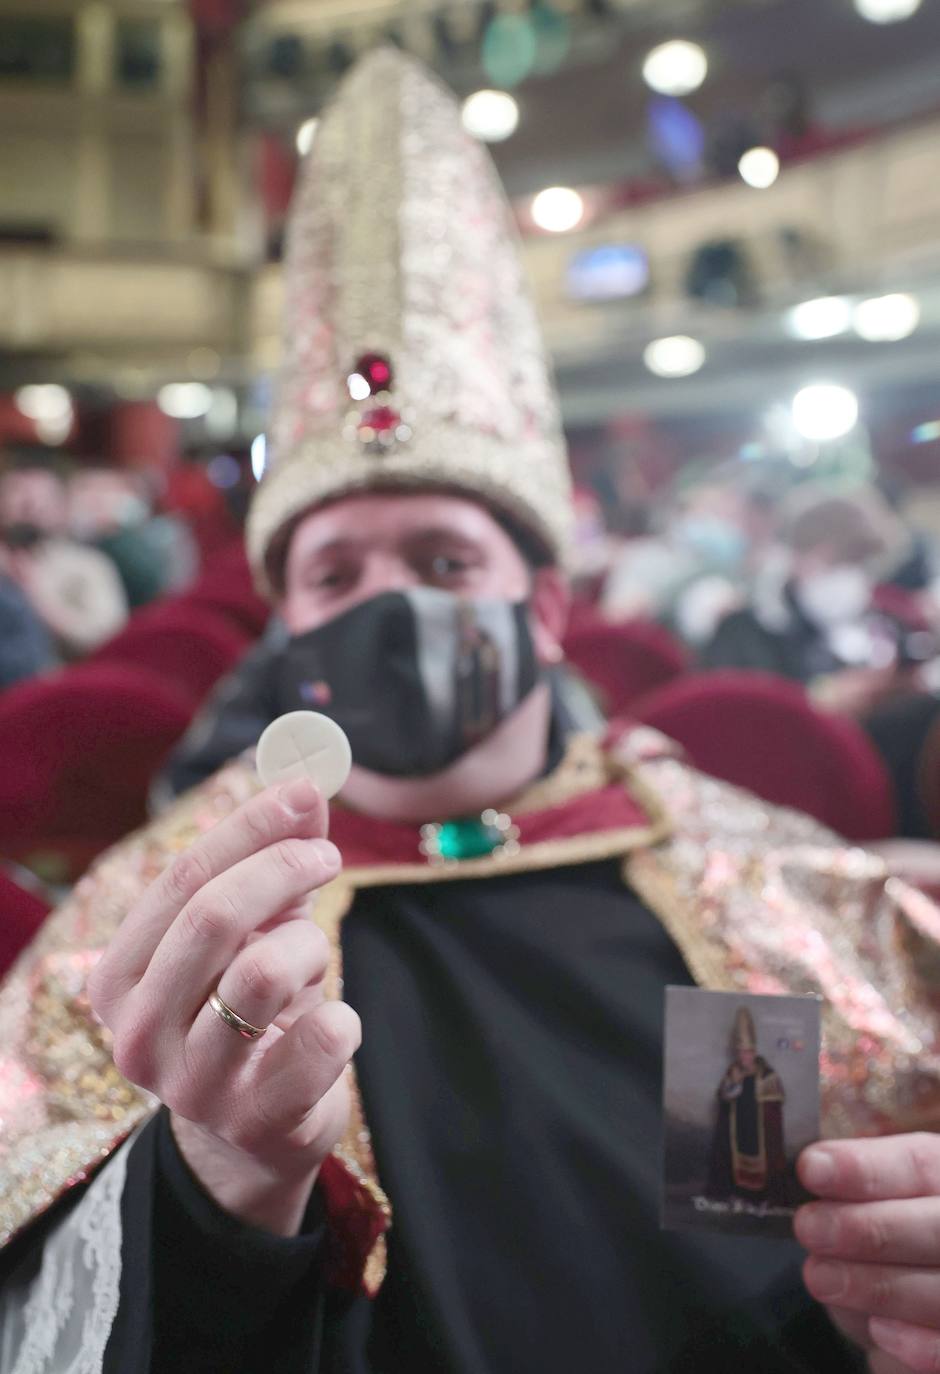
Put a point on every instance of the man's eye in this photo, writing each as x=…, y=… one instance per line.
x=445, y=566
x=329, y=581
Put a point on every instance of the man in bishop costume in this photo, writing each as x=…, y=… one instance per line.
x=391, y=1101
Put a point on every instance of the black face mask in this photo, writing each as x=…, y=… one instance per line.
x=415, y=678
x=21, y=535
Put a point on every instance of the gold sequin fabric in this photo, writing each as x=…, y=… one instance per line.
x=63, y=1105
x=401, y=242
x=764, y=900
x=757, y=899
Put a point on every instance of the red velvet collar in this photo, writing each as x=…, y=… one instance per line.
x=368, y=843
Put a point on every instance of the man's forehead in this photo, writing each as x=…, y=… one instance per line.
x=368, y=516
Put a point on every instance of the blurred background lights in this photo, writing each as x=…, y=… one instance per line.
x=886, y=319
x=759, y=167
x=676, y=356
x=224, y=471
x=185, y=400
x=612, y=271
x=926, y=433
x=47, y=401
x=675, y=68
x=305, y=136
x=221, y=418
x=552, y=29
x=676, y=137
x=490, y=116
x=824, y=411
x=821, y=318
x=510, y=49
x=887, y=11
x=259, y=456
x=49, y=406
x=557, y=209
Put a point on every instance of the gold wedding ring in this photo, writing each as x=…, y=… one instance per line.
x=231, y=1018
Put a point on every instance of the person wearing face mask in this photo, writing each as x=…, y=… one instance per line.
x=690, y=575
x=26, y=647
x=815, y=619
x=75, y=591
x=194, y=1174
x=153, y=554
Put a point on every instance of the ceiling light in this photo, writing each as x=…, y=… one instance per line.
x=820, y=318
x=759, y=167
x=675, y=68
x=305, y=136
x=557, y=209
x=490, y=116
x=45, y=403
x=824, y=411
x=676, y=356
x=185, y=400
x=887, y=11
x=885, y=319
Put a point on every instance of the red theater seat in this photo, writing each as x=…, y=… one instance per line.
x=80, y=750
x=624, y=661
x=764, y=734
x=225, y=588
x=21, y=915
x=186, y=646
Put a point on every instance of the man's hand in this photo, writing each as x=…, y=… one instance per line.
x=874, y=1244
x=254, y=1118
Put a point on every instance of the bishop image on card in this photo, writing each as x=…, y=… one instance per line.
x=740, y=1101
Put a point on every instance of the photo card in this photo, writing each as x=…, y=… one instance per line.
x=740, y=1102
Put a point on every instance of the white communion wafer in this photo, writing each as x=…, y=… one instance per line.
x=304, y=743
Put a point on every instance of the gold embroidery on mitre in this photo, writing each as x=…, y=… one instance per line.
x=401, y=242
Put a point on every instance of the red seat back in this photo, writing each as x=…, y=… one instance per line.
x=624, y=661
x=187, y=646
x=226, y=589
x=764, y=734
x=80, y=751
x=21, y=915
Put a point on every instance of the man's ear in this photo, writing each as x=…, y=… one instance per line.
x=550, y=602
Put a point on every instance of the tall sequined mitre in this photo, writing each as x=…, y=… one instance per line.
x=412, y=352
x=743, y=1036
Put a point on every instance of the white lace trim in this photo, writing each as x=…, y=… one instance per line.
x=59, y=1321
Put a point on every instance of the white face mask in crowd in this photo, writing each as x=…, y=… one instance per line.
x=835, y=595
x=711, y=537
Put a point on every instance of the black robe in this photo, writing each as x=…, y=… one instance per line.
x=737, y=1125
x=511, y=1071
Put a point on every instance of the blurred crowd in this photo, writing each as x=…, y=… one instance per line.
x=79, y=552
x=831, y=591
x=832, y=588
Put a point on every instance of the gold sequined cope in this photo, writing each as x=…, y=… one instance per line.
x=401, y=242
x=758, y=899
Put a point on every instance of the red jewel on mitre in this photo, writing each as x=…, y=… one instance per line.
x=380, y=419
x=375, y=370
